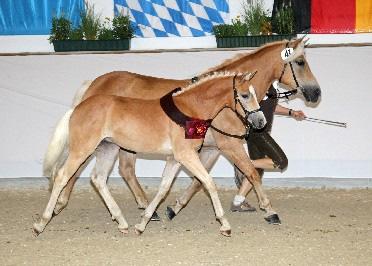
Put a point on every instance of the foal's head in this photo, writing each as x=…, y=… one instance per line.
x=246, y=96
x=295, y=70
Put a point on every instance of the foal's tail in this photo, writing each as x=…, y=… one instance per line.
x=57, y=150
x=80, y=93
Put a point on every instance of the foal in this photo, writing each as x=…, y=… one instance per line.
x=145, y=126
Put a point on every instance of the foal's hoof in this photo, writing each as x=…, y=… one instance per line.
x=170, y=213
x=138, y=229
x=226, y=232
x=36, y=229
x=137, y=232
x=124, y=231
x=35, y=232
x=273, y=219
x=155, y=217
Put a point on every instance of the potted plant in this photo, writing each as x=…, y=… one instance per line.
x=255, y=27
x=91, y=34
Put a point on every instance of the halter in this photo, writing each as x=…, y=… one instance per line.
x=243, y=119
x=286, y=94
x=237, y=100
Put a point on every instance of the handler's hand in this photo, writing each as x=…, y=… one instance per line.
x=298, y=115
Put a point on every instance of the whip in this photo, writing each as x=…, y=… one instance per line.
x=327, y=122
x=323, y=121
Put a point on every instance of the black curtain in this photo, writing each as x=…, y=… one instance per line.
x=302, y=13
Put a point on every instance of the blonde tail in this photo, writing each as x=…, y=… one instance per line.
x=80, y=93
x=57, y=151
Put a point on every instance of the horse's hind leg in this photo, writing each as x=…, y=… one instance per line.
x=64, y=174
x=65, y=195
x=169, y=173
x=208, y=157
x=127, y=162
x=105, y=158
x=191, y=161
x=67, y=190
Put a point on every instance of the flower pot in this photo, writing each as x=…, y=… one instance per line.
x=91, y=45
x=251, y=40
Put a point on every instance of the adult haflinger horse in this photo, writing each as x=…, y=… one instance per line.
x=174, y=125
x=271, y=66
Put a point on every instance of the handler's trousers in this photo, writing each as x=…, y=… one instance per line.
x=260, y=145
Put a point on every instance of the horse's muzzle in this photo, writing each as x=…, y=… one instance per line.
x=311, y=93
x=257, y=120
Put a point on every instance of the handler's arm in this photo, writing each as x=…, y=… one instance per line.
x=296, y=114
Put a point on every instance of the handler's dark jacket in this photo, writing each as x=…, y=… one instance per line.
x=260, y=143
x=268, y=105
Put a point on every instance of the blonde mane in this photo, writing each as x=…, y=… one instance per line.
x=205, y=78
x=241, y=56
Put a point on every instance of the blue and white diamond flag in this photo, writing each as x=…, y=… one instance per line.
x=171, y=18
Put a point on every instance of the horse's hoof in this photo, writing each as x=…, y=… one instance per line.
x=36, y=230
x=137, y=231
x=273, y=219
x=155, y=217
x=226, y=232
x=170, y=213
x=124, y=231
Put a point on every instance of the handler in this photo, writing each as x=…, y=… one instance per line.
x=264, y=152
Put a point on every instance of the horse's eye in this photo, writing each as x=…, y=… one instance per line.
x=300, y=62
x=245, y=96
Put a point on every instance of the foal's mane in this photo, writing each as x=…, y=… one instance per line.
x=240, y=56
x=205, y=78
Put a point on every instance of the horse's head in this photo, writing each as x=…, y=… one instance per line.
x=296, y=72
x=246, y=96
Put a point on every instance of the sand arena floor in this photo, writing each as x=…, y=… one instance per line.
x=319, y=227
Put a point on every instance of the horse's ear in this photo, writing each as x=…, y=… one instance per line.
x=305, y=41
x=251, y=75
x=296, y=42
x=252, y=90
x=248, y=76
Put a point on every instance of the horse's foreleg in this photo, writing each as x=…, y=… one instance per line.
x=105, y=158
x=240, y=178
x=127, y=163
x=64, y=174
x=208, y=157
x=169, y=173
x=191, y=161
x=237, y=154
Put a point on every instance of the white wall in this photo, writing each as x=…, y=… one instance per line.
x=36, y=90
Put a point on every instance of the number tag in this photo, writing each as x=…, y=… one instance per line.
x=286, y=53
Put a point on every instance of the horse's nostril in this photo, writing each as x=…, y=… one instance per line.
x=317, y=92
x=262, y=124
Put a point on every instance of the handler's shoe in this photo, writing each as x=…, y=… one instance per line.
x=243, y=207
